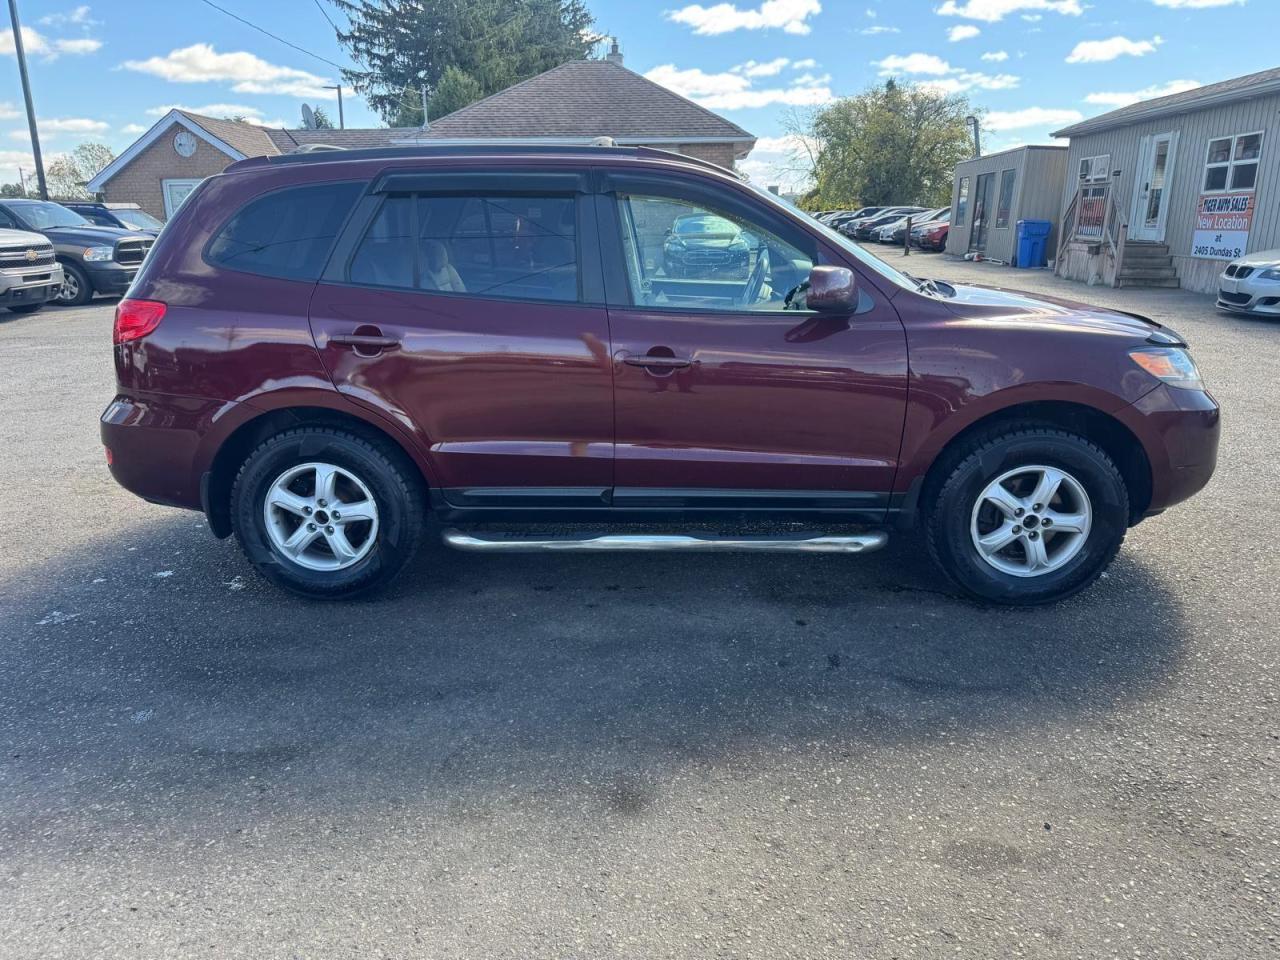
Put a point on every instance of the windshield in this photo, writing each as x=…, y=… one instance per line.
x=137, y=219
x=41, y=215
x=835, y=238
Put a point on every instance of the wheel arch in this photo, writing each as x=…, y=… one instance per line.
x=216, y=482
x=1117, y=441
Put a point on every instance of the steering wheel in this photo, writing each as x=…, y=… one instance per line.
x=755, y=282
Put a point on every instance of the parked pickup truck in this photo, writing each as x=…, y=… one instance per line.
x=94, y=259
x=29, y=273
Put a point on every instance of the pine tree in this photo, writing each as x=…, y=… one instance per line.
x=489, y=44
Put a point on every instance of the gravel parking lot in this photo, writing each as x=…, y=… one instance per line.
x=631, y=756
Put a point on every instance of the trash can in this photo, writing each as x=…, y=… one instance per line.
x=1033, y=243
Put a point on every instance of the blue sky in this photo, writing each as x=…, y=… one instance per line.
x=106, y=70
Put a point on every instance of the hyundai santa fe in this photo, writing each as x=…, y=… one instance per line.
x=324, y=352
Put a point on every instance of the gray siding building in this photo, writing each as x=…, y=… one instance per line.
x=1189, y=181
x=992, y=193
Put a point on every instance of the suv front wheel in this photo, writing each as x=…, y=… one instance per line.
x=1028, y=515
x=325, y=513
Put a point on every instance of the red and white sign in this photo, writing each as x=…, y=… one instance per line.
x=1223, y=222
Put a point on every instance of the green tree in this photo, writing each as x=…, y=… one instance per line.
x=67, y=173
x=896, y=143
x=322, y=119
x=11, y=190
x=490, y=44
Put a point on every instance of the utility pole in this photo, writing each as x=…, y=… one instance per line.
x=342, y=123
x=977, y=137
x=26, y=94
x=422, y=92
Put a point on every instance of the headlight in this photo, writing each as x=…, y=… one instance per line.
x=1173, y=365
x=1272, y=274
x=95, y=254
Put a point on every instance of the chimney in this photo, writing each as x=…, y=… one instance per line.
x=614, y=55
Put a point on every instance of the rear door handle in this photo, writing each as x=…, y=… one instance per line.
x=667, y=363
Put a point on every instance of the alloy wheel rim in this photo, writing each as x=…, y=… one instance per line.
x=1031, y=521
x=321, y=517
x=70, y=288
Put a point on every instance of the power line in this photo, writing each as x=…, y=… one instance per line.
x=273, y=36
x=325, y=13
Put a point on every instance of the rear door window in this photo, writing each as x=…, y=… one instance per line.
x=287, y=233
x=512, y=247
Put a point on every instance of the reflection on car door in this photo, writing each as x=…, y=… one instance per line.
x=474, y=318
x=725, y=399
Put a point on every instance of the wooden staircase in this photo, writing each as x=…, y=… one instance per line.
x=1147, y=265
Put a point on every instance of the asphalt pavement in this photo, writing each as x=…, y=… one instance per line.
x=631, y=756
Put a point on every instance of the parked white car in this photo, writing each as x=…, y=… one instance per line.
x=30, y=276
x=1252, y=284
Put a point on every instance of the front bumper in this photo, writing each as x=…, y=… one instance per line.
x=111, y=278
x=1179, y=430
x=34, y=285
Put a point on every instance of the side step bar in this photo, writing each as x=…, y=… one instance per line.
x=802, y=543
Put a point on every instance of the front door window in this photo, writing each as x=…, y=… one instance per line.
x=1155, y=194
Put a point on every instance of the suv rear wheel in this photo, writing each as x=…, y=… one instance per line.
x=1028, y=515
x=325, y=513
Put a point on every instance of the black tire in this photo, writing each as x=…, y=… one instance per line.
x=78, y=281
x=985, y=456
x=27, y=308
x=394, y=482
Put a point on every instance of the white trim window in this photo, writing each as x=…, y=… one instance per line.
x=1232, y=163
x=175, y=193
x=1095, y=169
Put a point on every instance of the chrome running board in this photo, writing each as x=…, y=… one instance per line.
x=801, y=543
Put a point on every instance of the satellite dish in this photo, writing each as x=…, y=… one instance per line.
x=308, y=117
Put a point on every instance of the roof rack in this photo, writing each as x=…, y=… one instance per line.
x=326, y=153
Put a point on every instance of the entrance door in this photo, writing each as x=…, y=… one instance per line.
x=983, y=211
x=728, y=393
x=1151, y=188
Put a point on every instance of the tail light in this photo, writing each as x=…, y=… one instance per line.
x=136, y=318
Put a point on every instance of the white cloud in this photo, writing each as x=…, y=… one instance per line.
x=79, y=15
x=790, y=16
x=208, y=110
x=769, y=68
x=83, y=45
x=37, y=44
x=8, y=111
x=875, y=31
x=993, y=11
x=807, y=64
x=32, y=42
x=962, y=31
x=1197, y=4
x=735, y=90
x=1123, y=99
x=133, y=129
x=54, y=126
x=1100, y=51
x=1030, y=117
x=944, y=78
x=200, y=63
x=778, y=161
x=995, y=56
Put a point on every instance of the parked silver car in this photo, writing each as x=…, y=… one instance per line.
x=30, y=276
x=1252, y=284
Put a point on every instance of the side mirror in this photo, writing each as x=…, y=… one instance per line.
x=832, y=290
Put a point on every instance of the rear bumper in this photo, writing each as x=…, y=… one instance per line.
x=1179, y=430
x=157, y=447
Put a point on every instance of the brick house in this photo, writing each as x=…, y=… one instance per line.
x=575, y=102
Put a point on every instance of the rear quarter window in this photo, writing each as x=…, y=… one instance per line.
x=286, y=233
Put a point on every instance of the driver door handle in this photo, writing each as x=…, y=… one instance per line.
x=365, y=343
x=667, y=363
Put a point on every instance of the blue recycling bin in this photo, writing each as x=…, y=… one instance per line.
x=1033, y=243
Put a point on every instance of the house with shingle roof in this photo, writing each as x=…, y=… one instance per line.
x=1168, y=191
x=576, y=102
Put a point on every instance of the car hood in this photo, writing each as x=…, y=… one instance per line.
x=704, y=240
x=1262, y=258
x=8, y=236
x=90, y=235
x=996, y=302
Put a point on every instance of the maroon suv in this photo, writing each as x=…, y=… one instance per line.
x=325, y=350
